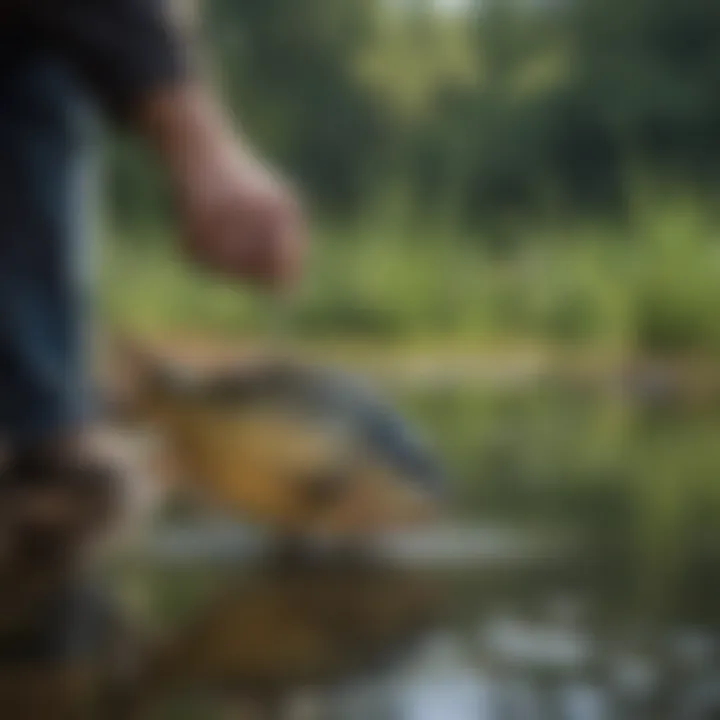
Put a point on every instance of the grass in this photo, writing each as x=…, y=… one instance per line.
x=649, y=285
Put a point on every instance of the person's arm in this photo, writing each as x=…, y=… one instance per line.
x=238, y=217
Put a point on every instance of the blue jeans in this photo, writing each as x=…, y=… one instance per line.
x=43, y=187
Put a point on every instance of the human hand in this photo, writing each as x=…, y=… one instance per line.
x=237, y=216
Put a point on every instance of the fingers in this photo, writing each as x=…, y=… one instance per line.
x=252, y=233
x=239, y=218
x=267, y=251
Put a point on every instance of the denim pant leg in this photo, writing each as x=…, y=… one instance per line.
x=43, y=144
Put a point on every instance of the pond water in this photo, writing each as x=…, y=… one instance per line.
x=578, y=582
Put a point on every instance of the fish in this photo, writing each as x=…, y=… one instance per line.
x=300, y=448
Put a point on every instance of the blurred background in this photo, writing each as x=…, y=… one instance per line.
x=480, y=173
x=515, y=228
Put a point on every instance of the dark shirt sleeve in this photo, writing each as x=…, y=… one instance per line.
x=123, y=49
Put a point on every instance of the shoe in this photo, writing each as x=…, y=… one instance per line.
x=51, y=509
x=71, y=654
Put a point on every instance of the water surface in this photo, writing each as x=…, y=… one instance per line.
x=579, y=582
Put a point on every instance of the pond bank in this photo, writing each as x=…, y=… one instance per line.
x=412, y=367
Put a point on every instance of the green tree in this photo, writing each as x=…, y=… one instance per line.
x=289, y=70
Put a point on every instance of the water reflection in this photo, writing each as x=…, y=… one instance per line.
x=283, y=629
x=624, y=624
x=347, y=641
x=267, y=641
x=64, y=646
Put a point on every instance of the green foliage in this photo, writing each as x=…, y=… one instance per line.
x=504, y=109
x=474, y=173
x=648, y=285
x=676, y=296
x=288, y=69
